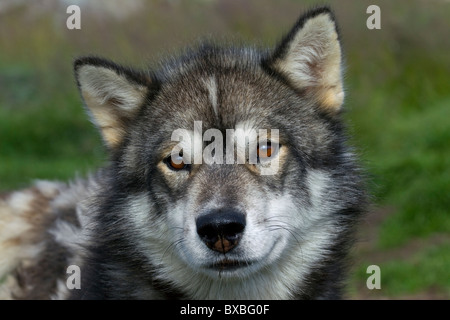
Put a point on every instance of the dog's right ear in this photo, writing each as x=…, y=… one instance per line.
x=310, y=59
x=112, y=94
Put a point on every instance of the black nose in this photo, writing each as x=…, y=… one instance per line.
x=221, y=230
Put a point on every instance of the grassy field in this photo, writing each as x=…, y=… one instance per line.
x=398, y=109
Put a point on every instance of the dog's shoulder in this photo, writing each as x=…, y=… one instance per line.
x=41, y=233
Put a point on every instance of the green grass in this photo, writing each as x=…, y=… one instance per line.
x=398, y=104
x=423, y=269
x=411, y=169
x=427, y=269
x=44, y=134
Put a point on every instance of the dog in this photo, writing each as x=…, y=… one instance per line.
x=229, y=176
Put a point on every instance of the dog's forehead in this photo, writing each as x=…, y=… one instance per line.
x=233, y=98
x=222, y=98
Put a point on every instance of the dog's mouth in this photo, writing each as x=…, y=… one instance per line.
x=229, y=265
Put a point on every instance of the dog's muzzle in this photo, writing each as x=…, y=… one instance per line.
x=221, y=229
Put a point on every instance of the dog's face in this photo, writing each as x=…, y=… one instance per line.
x=225, y=157
x=227, y=217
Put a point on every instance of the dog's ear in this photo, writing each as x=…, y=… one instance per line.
x=309, y=58
x=112, y=94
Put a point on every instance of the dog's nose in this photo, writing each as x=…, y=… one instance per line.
x=221, y=230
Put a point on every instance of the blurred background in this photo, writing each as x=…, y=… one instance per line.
x=397, y=103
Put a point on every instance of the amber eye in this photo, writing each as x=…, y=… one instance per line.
x=176, y=165
x=264, y=151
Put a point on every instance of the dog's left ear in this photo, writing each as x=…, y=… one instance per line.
x=112, y=94
x=309, y=57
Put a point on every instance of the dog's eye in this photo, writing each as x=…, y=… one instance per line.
x=175, y=164
x=264, y=151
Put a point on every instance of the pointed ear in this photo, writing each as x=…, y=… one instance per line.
x=309, y=57
x=112, y=94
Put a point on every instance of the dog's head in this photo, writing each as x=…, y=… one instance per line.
x=229, y=160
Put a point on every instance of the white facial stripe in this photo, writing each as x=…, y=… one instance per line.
x=211, y=86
